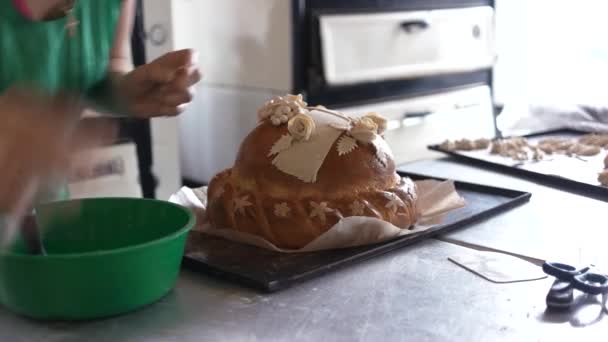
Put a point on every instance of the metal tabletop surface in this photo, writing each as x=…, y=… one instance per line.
x=413, y=294
x=554, y=225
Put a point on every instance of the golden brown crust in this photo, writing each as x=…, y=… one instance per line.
x=256, y=197
x=303, y=224
x=357, y=171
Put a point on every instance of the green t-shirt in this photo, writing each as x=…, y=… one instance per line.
x=42, y=54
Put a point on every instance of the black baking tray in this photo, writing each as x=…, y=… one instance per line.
x=270, y=271
x=576, y=175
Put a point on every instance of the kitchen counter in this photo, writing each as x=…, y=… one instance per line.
x=555, y=225
x=412, y=294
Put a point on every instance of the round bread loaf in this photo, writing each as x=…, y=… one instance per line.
x=290, y=184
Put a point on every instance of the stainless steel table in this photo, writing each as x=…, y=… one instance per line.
x=555, y=225
x=414, y=294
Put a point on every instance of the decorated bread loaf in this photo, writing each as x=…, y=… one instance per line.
x=303, y=169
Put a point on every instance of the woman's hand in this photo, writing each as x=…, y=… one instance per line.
x=163, y=87
x=38, y=137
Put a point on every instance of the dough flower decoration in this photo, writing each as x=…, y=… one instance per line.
x=320, y=210
x=364, y=130
x=281, y=109
x=240, y=203
x=394, y=202
x=282, y=210
x=379, y=120
x=301, y=127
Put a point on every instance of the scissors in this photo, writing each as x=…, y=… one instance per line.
x=568, y=278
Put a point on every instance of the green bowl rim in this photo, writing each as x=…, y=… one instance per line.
x=185, y=228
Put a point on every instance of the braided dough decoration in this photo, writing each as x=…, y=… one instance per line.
x=291, y=221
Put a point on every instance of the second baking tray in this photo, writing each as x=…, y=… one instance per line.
x=577, y=175
x=270, y=271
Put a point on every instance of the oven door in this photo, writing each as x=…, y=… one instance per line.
x=369, y=47
x=417, y=122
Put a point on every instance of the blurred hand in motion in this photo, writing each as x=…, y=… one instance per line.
x=163, y=87
x=38, y=136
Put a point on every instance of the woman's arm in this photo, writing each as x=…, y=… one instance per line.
x=104, y=94
x=121, y=61
x=162, y=87
x=38, y=137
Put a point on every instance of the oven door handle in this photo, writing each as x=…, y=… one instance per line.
x=415, y=118
x=414, y=25
x=420, y=114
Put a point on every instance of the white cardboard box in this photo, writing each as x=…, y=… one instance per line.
x=110, y=171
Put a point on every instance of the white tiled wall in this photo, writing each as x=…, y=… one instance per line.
x=245, y=56
x=245, y=43
x=211, y=132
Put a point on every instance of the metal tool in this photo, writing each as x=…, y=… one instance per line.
x=13, y=220
x=568, y=278
x=32, y=235
x=27, y=228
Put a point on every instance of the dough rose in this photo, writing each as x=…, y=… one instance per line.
x=379, y=120
x=364, y=130
x=282, y=108
x=301, y=127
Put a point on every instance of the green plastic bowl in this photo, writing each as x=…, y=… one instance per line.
x=105, y=257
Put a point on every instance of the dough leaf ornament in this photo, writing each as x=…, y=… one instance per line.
x=281, y=145
x=346, y=145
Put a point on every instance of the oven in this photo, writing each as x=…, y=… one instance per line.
x=426, y=65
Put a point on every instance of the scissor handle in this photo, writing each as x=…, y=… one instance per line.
x=561, y=271
x=561, y=295
x=591, y=283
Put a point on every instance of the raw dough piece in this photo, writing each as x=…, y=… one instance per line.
x=584, y=150
x=516, y=149
x=482, y=143
x=448, y=145
x=603, y=177
x=599, y=140
x=465, y=145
